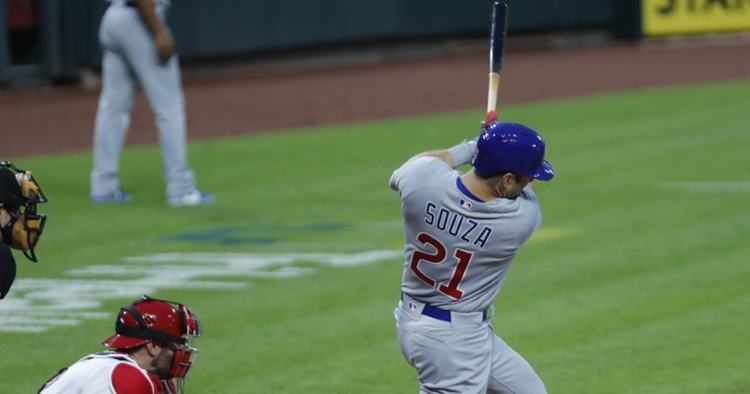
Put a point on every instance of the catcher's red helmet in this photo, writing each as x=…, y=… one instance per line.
x=149, y=319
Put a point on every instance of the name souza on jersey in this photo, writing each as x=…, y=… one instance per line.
x=456, y=225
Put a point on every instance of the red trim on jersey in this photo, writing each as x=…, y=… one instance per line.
x=129, y=379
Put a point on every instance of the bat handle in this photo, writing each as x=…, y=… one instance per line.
x=492, y=92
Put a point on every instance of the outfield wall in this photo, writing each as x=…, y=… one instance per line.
x=660, y=18
x=66, y=30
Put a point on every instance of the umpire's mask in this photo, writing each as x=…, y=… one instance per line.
x=19, y=194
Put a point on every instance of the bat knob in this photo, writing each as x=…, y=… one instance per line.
x=491, y=117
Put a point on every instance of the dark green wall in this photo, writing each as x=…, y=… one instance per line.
x=223, y=27
x=211, y=28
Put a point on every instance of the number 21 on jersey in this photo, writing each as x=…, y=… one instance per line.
x=461, y=257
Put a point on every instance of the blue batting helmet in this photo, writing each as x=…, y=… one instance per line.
x=511, y=147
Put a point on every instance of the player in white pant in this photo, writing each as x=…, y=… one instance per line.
x=138, y=50
x=461, y=234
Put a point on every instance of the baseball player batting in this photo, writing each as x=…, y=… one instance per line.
x=461, y=233
x=138, y=50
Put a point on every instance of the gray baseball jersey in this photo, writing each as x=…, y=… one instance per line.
x=458, y=248
x=129, y=59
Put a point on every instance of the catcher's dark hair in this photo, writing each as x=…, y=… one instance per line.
x=132, y=350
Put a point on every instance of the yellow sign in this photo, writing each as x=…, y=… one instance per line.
x=669, y=17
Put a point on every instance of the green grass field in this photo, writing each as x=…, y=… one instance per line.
x=637, y=282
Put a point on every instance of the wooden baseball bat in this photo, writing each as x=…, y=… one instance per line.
x=498, y=32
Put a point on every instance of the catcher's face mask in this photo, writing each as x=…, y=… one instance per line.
x=19, y=200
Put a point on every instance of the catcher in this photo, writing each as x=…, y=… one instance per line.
x=152, y=354
x=20, y=223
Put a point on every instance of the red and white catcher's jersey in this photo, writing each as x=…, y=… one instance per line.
x=102, y=373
